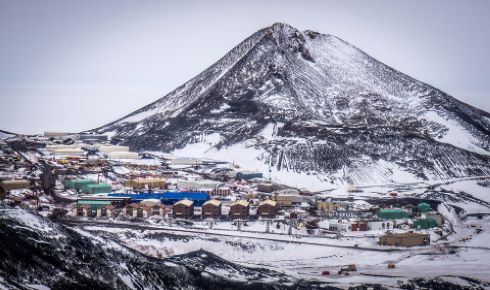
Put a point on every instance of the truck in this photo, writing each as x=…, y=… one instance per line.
x=349, y=268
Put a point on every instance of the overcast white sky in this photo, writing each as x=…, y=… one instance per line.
x=75, y=65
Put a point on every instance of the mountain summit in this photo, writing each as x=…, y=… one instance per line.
x=315, y=110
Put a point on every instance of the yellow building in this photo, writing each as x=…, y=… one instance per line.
x=8, y=185
x=327, y=207
x=146, y=183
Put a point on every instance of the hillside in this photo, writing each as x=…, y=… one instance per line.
x=316, y=111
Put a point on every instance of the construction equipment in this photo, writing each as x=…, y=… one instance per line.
x=349, y=268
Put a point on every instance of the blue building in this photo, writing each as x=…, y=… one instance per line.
x=168, y=198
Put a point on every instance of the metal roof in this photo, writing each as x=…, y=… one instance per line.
x=186, y=195
x=241, y=202
x=213, y=202
x=166, y=195
x=269, y=202
x=388, y=210
x=185, y=202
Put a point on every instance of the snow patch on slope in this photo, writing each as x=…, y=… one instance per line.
x=457, y=135
x=249, y=156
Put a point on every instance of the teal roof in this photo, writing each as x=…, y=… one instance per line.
x=392, y=210
x=78, y=183
x=425, y=223
x=424, y=207
x=100, y=185
x=393, y=213
x=98, y=188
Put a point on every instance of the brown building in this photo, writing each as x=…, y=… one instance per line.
x=267, y=209
x=134, y=210
x=86, y=210
x=211, y=209
x=150, y=207
x=265, y=187
x=240, y=210
x=405, y=240
x=165, y=210
x=106, y=211
x=183, y=209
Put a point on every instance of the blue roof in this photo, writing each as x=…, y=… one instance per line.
x=186, y=195
x=165, y=195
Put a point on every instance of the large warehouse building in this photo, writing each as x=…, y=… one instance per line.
x=168, y=198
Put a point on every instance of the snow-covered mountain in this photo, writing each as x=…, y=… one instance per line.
x=315, y=110
x=5, y=135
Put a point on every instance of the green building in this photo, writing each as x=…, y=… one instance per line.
x=78, y=184
x=96, y=204
x=427, y=223
x=393, y=213
x=98, y=188
x=424, y=207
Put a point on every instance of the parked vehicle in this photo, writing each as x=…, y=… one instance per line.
x=348, y=268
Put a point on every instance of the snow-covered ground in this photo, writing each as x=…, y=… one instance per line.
x=306, y=260
x=462, y=252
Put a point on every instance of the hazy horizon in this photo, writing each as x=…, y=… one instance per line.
x=73, y=66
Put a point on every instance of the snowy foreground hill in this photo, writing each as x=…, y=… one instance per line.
x=316, y=111
x=37, y=253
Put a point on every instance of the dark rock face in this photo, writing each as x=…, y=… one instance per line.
x=336, y=112
x=36, y=251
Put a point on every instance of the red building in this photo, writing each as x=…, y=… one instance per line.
x=359, y=226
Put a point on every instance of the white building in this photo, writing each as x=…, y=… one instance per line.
x=122, y=155
x=194, y=185
x=113, y=148
x=380, y=225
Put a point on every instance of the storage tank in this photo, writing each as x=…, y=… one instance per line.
x=113, y=148
x=69, y=152
x=122, y=155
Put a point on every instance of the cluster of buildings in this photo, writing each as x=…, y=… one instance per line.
x=404, y=223
x=88, y=172
x=16, y=178
x=83, y=150
x=179, y=205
